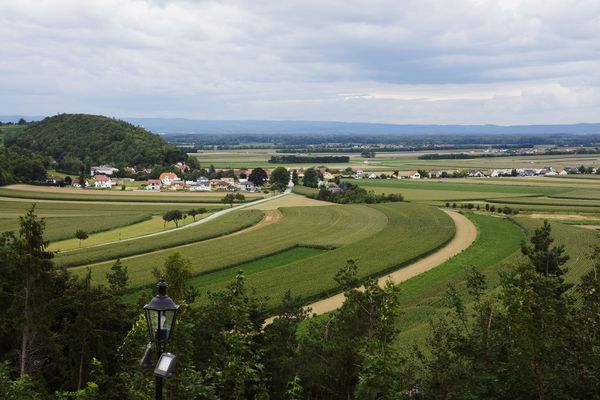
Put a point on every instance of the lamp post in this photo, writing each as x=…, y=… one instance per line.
x=161, y=313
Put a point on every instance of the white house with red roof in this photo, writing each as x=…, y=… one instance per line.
x=102, y=182
x=169, y=178
x=153, y=184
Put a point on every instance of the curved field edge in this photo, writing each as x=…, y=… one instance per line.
x=412, y=231
x=317, y=226
x=422, y=297
x=227, y=224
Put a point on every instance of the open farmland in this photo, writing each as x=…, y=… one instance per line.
x=99, y=195
x=224, y=225
x=381, y=237
x=148, y=226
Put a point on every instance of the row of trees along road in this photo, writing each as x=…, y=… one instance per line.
x=533, y=337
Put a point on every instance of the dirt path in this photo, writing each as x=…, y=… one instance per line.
x=270, y=217
x=465, y=235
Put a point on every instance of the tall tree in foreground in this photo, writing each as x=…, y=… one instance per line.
x=32, y=267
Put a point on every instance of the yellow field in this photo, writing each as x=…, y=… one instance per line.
x=291, y=200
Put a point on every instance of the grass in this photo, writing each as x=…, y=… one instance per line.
x=224, y=225
x=577, y=242
x=68, y=194
x=421, y=297
x=447, y=185
x=150, y=225
x=60, y=228
x=550, y=201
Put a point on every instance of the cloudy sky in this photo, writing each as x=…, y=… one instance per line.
x=398, y=61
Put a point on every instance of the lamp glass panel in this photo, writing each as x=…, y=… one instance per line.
x=166, y=323
x=152, y=316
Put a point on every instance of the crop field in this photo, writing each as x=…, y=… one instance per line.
x=497, y=247
x=69, y=194
x=150, y=225
x=382, y=237
x=64, y=218
x=291, y=200
x=321, y=226
x=224, y=225
x=551, y=201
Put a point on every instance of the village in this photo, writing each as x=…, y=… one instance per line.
x=231, y=180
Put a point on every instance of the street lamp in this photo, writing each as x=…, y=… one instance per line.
x=161, y=315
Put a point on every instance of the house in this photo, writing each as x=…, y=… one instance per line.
x=55, y=180
x=182, y=167
x=168, y=178
x=76, y=183
x=153, y=184
x=571, y=170
x=475, y=173
x=218, y=184
x=104, y=170
x=435, y=173
x=359, y=174
x=202, y=184
x=332, y=187
x=409, y=174
x=249, y=186
x=177, y=185
x=102, y=182
x=328, y=175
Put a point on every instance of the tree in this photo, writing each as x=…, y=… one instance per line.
x=193, y=212
x=367, y=153
x=280, y=177
x=258, y=176
x=177, y=271
x=68, y=180
x=546, y=260
x=81, y=235
x=229, y=198
x=295, y=178
x=240, y=197
x=173, y=215
x=117, y=276
x=311, y=178
x=32, y=267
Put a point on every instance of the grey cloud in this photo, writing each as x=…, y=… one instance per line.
x=390, y=61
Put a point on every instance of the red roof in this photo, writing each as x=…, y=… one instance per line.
x=168, y=175
x=101, y=178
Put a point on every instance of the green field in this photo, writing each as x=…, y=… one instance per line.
x=118, y=196
x=224, y=225
x=148, y=226
x=381, y=237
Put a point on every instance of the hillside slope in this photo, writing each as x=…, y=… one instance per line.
x=74, y=138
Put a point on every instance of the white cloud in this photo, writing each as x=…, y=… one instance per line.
x=414, y=61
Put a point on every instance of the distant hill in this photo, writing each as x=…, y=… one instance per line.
x=72, y=139
x=240, y=127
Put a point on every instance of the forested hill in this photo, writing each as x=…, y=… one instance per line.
x=75, y=138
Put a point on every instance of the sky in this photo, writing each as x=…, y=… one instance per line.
x=390, y=61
